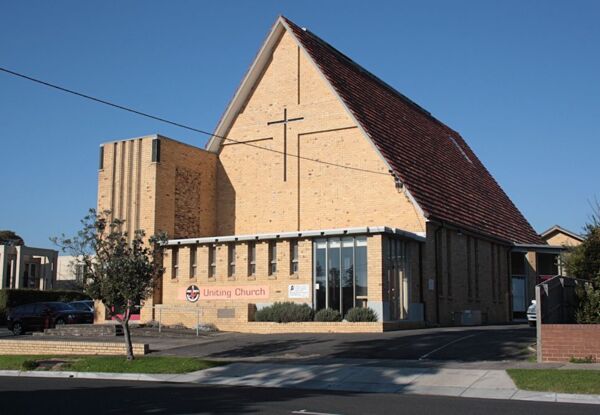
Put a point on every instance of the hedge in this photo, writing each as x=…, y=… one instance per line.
x=328, y=314
x=285, y=313
x=14, y=297
x=361, y=314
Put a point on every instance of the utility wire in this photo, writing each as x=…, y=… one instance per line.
x=176, y=124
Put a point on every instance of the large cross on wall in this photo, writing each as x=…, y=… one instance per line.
x=285, y=122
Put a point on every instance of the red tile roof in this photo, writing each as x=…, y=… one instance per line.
x=433, y=161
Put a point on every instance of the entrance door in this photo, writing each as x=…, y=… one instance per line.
x=519, y=297
x=396, y=279
x=394, y=293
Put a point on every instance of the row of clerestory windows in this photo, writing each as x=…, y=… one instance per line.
x=232, y=260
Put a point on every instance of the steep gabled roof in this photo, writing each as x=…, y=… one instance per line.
x=441, y=173
x=436, y=165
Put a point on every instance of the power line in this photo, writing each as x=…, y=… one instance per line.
x=176, y=124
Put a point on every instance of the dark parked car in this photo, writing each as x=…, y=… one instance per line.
x=83, y=305
x=40, y=316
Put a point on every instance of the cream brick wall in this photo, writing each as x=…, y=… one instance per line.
x=562, y=239
x=486, y=272
x=252, y=195
x=184, y=312
x=61, y=347
x=143, y=193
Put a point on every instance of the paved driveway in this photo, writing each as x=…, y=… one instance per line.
x=489, y=343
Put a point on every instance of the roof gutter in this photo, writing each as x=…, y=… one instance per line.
x=366, y=230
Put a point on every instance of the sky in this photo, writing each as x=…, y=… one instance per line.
x=518, y=79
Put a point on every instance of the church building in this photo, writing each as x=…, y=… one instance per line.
x=323, y=185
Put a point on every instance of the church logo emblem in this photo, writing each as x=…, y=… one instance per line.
x=192, y=293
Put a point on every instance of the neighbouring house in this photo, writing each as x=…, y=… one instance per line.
x=322, y=184
x=560, y=236
x=27, y=267
x=69, y=273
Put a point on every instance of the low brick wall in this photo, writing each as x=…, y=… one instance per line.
x=316, y=327
x=59, y=347
x=561, y=342
x=238, y=318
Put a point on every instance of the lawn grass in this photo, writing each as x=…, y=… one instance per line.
x=554, y=380
x=9, y=362
x=115, y=364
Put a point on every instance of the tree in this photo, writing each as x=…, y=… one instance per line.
x=583, y=262
x=119, y=269
x=8, y=237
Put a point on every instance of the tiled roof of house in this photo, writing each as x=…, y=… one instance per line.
x=433, y=161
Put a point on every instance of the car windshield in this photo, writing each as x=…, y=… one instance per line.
x=60, y=306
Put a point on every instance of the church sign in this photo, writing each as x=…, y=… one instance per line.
x=234, y=292
x=298, y=291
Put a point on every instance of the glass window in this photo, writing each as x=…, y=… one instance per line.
x=272, y=258
x=175, y=263
x=212, y=261
x=360, y=260
x=320, y=274
x=293, y=257
x=340, y=272
x=231, y=259
x=347, y=274
x=333, y=276
x=251, y=259
x=193, y=261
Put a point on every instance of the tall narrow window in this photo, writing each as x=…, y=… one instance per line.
x=272, y=258
x=251, y=259
x=156, y=150
x=212, y=261
x=193, y=261
x=294, y=257
x=499, y=257
x=493, y=270
x=469, y=271
x=175, y=263
x=477, y=268
x=449, y=262
x=231, y=260
x=101, y=161
x=438, y=265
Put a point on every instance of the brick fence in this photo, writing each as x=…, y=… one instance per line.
x=317, y=327
x=59, y=347
x=561, y=342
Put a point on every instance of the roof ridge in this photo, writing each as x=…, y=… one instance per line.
x=370, y=74
x=411, y=141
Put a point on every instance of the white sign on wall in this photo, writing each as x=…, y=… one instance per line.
x=298, y=291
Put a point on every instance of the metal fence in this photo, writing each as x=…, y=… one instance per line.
x=178, y=316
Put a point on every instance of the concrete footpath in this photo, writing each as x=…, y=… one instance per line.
x=468, y=383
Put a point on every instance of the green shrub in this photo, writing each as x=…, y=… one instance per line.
x=587, y=359
x=361, y=314
x=29, y=365
x=328, y=314
x=285, y=313
x=14, y=297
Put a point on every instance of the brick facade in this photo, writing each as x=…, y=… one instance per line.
x=239, y=189
x=60, y=347
x=561, y=342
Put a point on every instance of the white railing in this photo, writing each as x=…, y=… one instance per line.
x=164, y=312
